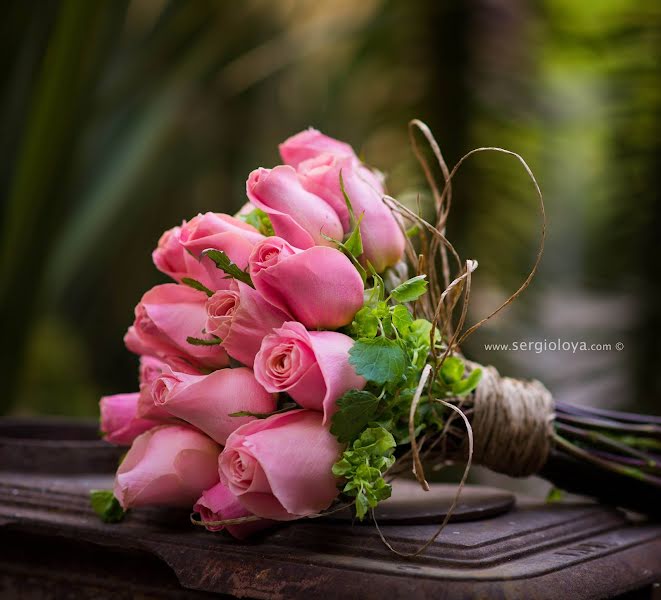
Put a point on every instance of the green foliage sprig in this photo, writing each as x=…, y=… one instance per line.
x=362, y=465
x=390, y=351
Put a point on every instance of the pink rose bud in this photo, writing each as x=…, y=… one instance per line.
x=241, y=318
x=165, y=318
x=120, y=423
x=221, y=232
x=219, y=504
x=179, y=249
x=311, y=366
x=281, y=468
x=169, y=465
x=383, y=240
x=296, y=215
x=171, y=258
x=310, y=143
x=207, y=401
x=150, y=369
x=319, y=286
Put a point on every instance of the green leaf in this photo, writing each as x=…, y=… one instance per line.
x=349, y=255
x=355, y=410
x=367, y=473
x=381, y=490
x=371, y=296
x=195, y=284
x=362, y=505
x=386, y=323
x=224, y=263
x=421, y=328
x=554, y=495
x=260, y=221
x=342, y=467
x=106, y=506
x=452, y=369
x=412, y=231
x=401, y=318
x=354, y=243
x=352, y=214
x=376, y=441
x=378, y=359
x=410, y=290
x=466, y=386
x=365, y=323
x=200, y=342
x=382, y=310
x=378, y=281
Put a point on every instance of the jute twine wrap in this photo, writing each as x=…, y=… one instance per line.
x=512, y=424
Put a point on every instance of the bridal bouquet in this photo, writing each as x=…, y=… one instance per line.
x=306, y=353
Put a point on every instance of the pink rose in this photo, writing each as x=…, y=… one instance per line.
x=280, y=467
x=120, y=423
x=296, y=215
x=311, y=366
x=167, y=466
x=179, y=249
x=310, y=143
x=319, y=286
x=222, y=232
x=219, y=504
x=383, y=240
x=165, y=317
x=241, y=318
x=206, y=401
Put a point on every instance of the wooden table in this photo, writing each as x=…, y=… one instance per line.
x=53, y=546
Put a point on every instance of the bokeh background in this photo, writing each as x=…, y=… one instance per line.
x=121, y=118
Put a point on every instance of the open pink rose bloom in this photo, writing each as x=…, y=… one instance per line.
x=245, y=355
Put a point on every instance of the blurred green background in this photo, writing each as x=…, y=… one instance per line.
x=121, y=118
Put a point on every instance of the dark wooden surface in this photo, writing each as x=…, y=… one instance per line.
x=53, y=546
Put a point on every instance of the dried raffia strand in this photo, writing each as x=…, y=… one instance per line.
x=430, y=263
x=342, y=506
x=448, y=515
x=396, y=205
x=540, y=249
x=440, y=199
x=433, y=144
x=418, y=471
x=471, y=265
